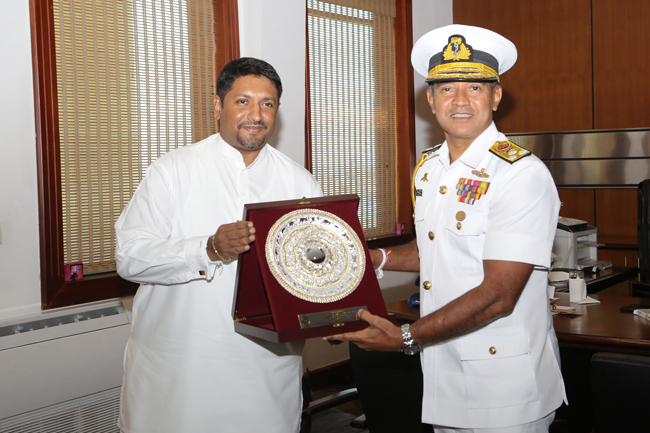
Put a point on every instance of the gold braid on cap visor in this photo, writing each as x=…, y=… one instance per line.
x=462, y=70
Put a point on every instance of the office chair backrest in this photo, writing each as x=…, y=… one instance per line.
x=619, y=389
x=643, y=230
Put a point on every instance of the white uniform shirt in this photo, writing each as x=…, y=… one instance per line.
x=186, y=368
x=513, y=219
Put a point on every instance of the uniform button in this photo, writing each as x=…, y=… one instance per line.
x=459, y=226
x=431, y=235
x=460, y=216
x=443, y=190
x=426, y=285
x=493, y=350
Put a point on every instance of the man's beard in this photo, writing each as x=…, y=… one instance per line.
x=252, y=143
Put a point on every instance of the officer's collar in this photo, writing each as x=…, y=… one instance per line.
x=474, y=154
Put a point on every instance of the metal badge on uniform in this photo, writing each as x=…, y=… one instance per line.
x=418, y=193
x=425, y=178
x=481, y=174
x=470, y=190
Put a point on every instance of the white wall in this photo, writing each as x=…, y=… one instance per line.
x=427, y=15
x=265, y=33
x=19, y=250
x=274, y=31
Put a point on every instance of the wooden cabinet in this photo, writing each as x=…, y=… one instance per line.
x=549, y=88
x=621, y=46
x=619, y=258
x=616, y=215
x=578, y=203
x=553, y=86
x=613, y=211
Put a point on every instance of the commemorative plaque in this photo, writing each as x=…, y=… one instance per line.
x=308, y=271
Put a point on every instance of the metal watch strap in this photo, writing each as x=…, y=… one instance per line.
x=410, y=347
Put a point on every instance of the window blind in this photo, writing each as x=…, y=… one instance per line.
x=135, y=79
x=352, y=100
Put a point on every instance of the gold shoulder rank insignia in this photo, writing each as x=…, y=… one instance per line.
x=509, y=151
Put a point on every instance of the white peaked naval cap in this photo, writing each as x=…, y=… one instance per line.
x=462, y=53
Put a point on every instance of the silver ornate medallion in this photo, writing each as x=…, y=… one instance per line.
x=315, y=255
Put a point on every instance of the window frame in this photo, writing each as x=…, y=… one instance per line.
x=55, y=291
x=405, y=122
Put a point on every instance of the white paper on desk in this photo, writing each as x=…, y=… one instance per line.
x=644, y=313
x=589, y=301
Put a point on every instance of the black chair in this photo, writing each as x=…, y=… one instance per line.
x=620, y=384
x=312, y=406
x=390, y=390
x=641, y=288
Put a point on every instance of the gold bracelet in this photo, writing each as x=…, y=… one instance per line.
x=217, y=252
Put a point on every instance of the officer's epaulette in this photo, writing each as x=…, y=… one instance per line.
x=431, y=149
x=509, y=151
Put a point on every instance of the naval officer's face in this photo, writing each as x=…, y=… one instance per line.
x=247, y=113
x=463, y=109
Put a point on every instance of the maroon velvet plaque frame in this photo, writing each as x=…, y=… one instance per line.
x=263, y=308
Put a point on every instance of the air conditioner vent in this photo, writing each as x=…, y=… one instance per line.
x=59, y=324
x=96, y=413
x=35, y=325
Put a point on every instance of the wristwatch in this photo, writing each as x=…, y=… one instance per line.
x=410, y=347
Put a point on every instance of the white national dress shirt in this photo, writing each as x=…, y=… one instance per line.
x=506, y=373
x=187, y=371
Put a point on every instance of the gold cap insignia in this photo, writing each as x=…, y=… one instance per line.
x=456, y=49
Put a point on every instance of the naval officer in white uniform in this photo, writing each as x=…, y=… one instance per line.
x=485, y=215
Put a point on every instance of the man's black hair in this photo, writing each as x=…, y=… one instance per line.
x=246, y=66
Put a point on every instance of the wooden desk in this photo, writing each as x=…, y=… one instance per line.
x=602, y=327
